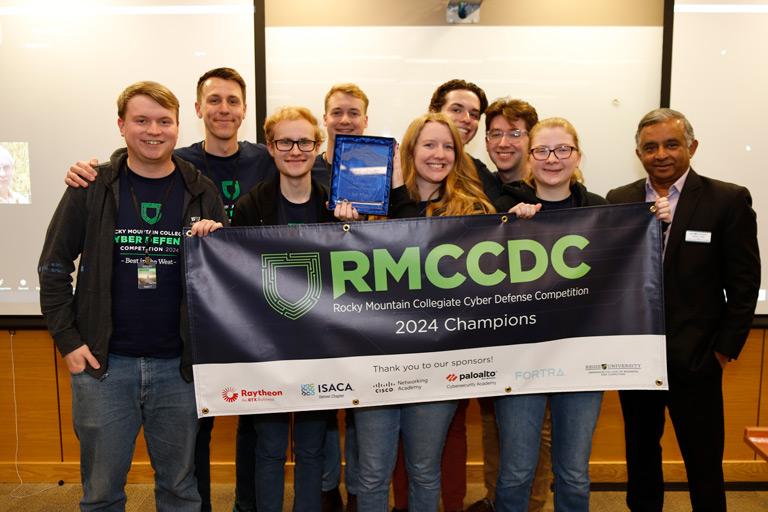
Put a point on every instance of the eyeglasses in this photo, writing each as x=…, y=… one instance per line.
x=511, y=135
x=305, y=145
x=561, y=152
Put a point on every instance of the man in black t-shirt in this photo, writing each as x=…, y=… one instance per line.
x=123, y=334
x=235, y=167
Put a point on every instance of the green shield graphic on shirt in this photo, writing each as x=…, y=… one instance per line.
x=227, y=185
x=146, y=208
x=291, y=282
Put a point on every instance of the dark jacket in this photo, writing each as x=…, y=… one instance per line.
x=520, y=192
x=698, y=317
x=259, y=206
x=84, y=225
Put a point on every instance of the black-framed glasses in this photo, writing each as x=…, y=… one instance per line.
x=305, y=145
x=561, y=152
x=511, y=135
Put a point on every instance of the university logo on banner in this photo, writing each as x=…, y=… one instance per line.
x=146, y=208
x=275, y=265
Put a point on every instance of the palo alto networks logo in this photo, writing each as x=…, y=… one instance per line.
x=229, y=394
x=154, y=207
x=307, y=390
x=452, y=377
x=226, y=189
x=270, y=266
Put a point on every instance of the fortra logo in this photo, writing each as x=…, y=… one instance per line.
x=452, y=377
x=271, y=263
x=229, y=394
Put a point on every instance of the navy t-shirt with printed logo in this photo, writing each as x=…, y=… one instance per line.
x=253, y=162
x=146, y=321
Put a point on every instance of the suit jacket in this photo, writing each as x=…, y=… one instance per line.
x=699, y=319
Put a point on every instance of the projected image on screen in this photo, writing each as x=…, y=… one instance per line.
x=15, y=187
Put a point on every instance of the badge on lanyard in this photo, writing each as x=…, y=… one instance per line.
x=147, y=274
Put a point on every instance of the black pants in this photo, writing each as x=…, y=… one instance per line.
x=696, y=411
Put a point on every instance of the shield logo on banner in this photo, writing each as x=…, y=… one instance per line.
x=291, y=276
x=227, y=185
x=146, y=208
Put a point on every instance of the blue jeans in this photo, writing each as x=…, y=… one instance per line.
x=519, y=417
x=108, y=414
x=423, y=427
x=271, y=447
x=332, y=453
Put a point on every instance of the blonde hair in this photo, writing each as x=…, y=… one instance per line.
x=351, y=89
x=289, y=113
x=554, y=122
x=461, y=193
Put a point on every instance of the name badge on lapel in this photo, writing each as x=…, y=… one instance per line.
x=698, y=237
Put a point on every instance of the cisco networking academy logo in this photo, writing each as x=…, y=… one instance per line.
x=229, y=395
x=271, y=263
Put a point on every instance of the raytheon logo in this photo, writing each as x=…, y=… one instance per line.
x=270, y=266
x=229, y=394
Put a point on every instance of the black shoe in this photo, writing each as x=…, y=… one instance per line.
x=330, y=501
x=484, y=505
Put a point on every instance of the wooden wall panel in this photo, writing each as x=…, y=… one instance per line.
x=35, y=398
x=49, y=450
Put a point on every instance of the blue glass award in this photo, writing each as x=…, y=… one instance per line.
x=362, y=172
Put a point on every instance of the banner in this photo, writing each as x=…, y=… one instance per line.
x=327, y=316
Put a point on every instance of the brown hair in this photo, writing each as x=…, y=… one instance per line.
x=154, y=90
x=511, y=110
x=438, y=98
x=224, y=74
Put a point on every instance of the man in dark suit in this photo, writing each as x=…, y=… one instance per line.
x=710, y=254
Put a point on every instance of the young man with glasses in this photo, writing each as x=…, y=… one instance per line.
x=293, y=197
x=507, y=124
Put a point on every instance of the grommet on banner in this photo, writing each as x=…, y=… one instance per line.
x=653, y=209
x=346, y=227
x=205, y=410
x=189, y=233
x=504, y=218
x=507, y=389
x=355, y=402
x=659, y=383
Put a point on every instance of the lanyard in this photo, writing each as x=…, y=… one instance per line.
x=234, y=174
x=282, y=208
x=138, y=209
